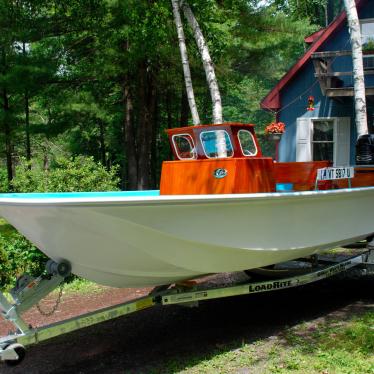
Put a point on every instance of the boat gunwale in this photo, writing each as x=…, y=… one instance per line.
x=177, y=199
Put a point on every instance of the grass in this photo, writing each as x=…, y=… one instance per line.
x=329, y=347
x=82, y=286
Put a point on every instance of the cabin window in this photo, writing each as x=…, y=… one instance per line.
x=216, y=144
x=367, y=34
x=323, y=140
x=184, y=147
x=247, y=143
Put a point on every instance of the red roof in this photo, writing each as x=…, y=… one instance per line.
x=313, y=37
x=272, y=100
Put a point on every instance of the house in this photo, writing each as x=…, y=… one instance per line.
x=322, y=82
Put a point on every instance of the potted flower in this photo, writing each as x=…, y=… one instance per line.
x=368, y=46
x=275, y=130
x=368, y=52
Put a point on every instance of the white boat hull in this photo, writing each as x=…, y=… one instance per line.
x=123, y=241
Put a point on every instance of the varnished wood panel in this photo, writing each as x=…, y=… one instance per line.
x=364, y=177
x=301, y=174
x=197, y=177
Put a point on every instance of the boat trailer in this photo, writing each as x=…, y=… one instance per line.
x=29, y=291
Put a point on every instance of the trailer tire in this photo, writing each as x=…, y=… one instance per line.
x=21, y=352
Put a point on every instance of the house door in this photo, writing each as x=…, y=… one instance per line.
x=320, y=139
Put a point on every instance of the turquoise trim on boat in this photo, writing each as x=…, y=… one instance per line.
x=284, y=187
x=78, y=195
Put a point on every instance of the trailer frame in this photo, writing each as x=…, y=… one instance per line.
x=12, y=347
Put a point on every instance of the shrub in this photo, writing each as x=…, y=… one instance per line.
x=5, y=274
x=4, y=185
x=17, y=254
x=65, y=175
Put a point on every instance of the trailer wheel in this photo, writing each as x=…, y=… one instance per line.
x=21, y=352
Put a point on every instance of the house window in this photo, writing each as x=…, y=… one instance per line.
x=320, y=139
x=323, y=140
x=367, y=35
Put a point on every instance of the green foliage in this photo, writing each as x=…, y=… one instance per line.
x=4, y=185
x=65, y=175
x=18, y=256
x=369, y=45
x=5, y=275
x=319, y=12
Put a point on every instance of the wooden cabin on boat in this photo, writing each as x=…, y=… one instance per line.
x=200, y=167
x=324, y=73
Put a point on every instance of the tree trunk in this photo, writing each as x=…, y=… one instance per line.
x=169, y=114
x=7, y=134
x=151, y=124
x=185, y=63
x=143, y=167
x=155, y=143
x=102, y=143
x=131, y=174
x=147, y=102
x=207, y=62
x=45, y=161
x=27, y=127
x=326, y=14
x=184, y=109
x=27, y=115
x=358, y=70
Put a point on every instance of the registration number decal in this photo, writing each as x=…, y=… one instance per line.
x=335, y=173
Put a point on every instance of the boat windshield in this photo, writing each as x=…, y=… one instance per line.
x=216, y=144
x=247, y=143
x=184, y=146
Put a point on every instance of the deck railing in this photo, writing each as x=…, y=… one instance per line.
x=330, y=82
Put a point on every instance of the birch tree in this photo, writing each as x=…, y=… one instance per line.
x=358, y=70
x=185, y=62
x=207, y=62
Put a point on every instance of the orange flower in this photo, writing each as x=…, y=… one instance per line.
x=275, y=128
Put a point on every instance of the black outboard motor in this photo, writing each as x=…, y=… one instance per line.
x=365, y=150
